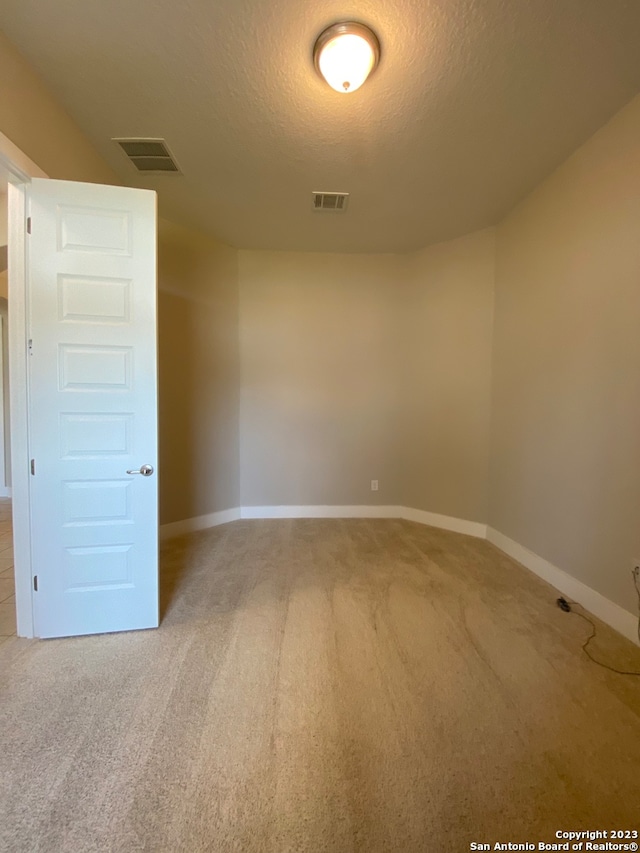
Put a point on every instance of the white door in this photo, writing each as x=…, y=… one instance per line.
x=91, y=262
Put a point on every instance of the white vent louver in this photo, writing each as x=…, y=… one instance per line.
x=335, y=202
x=150, y=156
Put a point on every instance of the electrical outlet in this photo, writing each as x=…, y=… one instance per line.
x=636, y=568
x=374, y=485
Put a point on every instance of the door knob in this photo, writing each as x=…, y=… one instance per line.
x=145, y=470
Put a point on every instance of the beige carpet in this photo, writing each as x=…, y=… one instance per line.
x=322, y=685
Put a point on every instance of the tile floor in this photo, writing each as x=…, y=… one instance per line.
x=7, y=583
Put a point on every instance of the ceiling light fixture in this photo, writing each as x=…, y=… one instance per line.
x=345, y=54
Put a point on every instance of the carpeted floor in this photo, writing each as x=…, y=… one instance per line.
x=322, y=685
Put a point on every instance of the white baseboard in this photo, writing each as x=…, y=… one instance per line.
x=201, y=522
x=445, y=522
x=321, y=512
x=614, y=615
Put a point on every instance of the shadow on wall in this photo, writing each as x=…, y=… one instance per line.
x=198, y=375
x=176, y=360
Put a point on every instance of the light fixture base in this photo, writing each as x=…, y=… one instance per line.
x=346, y=28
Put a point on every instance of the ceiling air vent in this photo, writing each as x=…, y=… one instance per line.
x=336, y=202
x=150, y=156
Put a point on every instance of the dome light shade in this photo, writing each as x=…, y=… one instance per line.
x=345, y=54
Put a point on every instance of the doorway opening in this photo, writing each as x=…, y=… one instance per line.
x=7, y=578
x=5, y=429
x=16, y=611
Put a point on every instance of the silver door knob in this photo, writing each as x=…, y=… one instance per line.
x=145, y=470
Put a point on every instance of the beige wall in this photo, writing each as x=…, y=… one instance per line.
x=565, y=457
x=361, y=367
x=35, y=121
x=199, y=375
x=319, y=403
x=446, y=377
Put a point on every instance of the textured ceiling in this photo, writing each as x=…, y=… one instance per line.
x=473, y=103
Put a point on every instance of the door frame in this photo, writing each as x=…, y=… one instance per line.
x=21, y=169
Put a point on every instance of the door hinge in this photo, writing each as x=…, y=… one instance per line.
x=28, y=225
x=33, y=466
x=35, y=583
x=30, y=345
